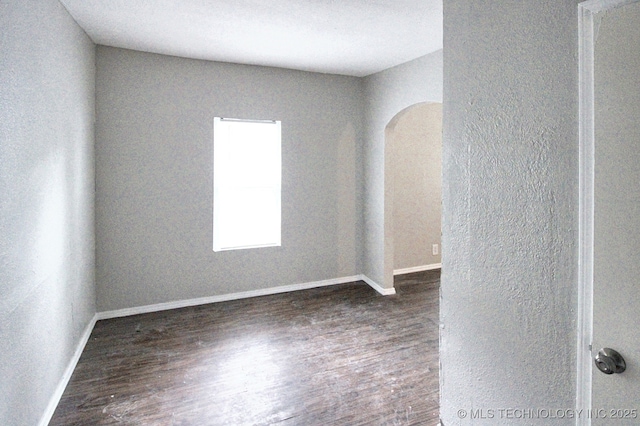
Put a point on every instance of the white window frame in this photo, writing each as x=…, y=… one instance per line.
x=257, y=185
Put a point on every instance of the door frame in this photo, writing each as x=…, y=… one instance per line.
x=587, y=33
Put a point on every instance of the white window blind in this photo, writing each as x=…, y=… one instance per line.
x=246, y=184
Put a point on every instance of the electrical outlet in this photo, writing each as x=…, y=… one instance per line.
x=435, y=249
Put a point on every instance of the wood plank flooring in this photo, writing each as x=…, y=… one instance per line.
x=340, y=355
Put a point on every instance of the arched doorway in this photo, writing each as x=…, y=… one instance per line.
x=413, y=180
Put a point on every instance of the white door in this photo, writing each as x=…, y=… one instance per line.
x=615, y=398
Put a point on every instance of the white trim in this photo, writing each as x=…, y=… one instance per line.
x=587, y=35
x=377, y=287
x=224, y=297
x=593, y=7
x=585, y=238
x=413, y=269
x=64, y=381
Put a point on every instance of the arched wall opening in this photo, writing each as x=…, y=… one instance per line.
x=413, y=194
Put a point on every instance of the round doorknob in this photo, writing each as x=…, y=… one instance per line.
x=609, y=361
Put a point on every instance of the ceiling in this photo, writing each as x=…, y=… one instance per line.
x=350, y=37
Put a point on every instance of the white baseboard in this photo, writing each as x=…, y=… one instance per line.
x=241, y=295
x=224, y=297
x=57, y=395
x=417, y=269
x=377, y=287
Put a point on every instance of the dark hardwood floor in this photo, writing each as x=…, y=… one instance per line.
x=340, y=355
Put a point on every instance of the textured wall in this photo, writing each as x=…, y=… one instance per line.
x=154, y=139
x=415, y=135
x=46, y=202
x=388, y=93
x=510, y=211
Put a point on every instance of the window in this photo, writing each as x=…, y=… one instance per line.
x=246, y=184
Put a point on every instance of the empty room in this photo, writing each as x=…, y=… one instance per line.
x=118, y=297
x=130, y=295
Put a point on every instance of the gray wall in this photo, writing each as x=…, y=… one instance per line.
x=388, y=93
x=46, y=202
x=415, y=135
x=510, y=210
x=154, y=177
